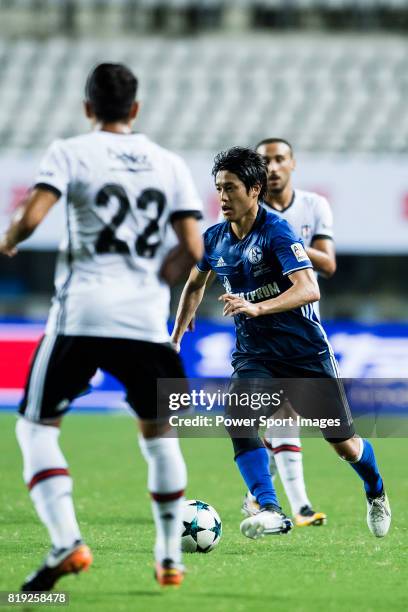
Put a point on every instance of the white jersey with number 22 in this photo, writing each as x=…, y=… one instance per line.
x=121, y=192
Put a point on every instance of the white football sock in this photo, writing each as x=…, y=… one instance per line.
x=46, y=475
x=167, y=479
x=289, y=461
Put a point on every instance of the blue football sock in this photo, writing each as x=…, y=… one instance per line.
x=254, y=468
x=368, y=471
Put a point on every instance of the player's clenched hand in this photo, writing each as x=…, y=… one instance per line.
x=6, y=248
x=175, y=343
x=234, y=305
x=176, y=346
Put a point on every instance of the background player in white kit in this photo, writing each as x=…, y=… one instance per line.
x=110, y=310
x=310, y=216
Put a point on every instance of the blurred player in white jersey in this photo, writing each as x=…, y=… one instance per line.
x=110, y=310
x=310, y=216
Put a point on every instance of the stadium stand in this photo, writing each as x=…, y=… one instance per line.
x=337, y=93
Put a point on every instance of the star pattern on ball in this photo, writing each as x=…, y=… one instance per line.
x=200, y=505
x=192, y=529
x=216, y=529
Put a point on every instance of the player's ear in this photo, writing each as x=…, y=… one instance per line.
x=88, y=110
x=134, y=109
x=256, y=190
x=293, y=163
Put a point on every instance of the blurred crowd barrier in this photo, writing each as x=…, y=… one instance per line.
x=368, y=195
x=337, y=93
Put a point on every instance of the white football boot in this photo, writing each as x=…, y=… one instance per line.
x=265, y=522
x=378, y=515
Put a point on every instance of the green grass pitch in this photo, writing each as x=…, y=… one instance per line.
x=337, y=567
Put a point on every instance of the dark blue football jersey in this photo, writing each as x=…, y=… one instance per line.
x=257, y=268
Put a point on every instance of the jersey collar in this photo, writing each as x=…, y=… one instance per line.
x=292, y=201
x=259, y=219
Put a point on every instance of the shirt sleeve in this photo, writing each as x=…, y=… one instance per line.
x=203, y=265
x=186, y=201
x=324, y=221
x=289, y=249
x=54, y=171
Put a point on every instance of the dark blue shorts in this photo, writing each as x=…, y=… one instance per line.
x=314, y=391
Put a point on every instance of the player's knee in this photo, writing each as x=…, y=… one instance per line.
x=245, y=437
x=348, y=450
x=159, y=446
x=243, y=445
x=150, y=429
x=28, y=431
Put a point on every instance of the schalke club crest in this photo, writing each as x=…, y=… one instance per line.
x=255, y=255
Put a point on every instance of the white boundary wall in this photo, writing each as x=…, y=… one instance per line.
x=368, y=194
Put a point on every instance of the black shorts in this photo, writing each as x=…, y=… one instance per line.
x=63, y=366
x=314, y=390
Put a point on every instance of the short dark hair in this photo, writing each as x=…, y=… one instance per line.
x=111, y=90
x=267, y=141
x=246, y=164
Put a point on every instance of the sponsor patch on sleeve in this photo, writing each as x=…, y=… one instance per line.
x=299, y=252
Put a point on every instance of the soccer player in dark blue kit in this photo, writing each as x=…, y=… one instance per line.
x=270, y=286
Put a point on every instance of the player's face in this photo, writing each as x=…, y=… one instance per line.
x=280, y=165
x=234, y=199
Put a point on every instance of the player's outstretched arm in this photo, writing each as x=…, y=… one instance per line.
x=188, y=252
x=27, y=217
x=304, y=290
x=189, y=302
x=210, y=280
x=322, y=254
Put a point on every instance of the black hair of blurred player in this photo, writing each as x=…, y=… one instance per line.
x=110, y=94
x=268, y=141
x=246, y=164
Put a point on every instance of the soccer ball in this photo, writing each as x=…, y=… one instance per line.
x=202, y=527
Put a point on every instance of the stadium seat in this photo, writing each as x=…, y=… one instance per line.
x=327, y=93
